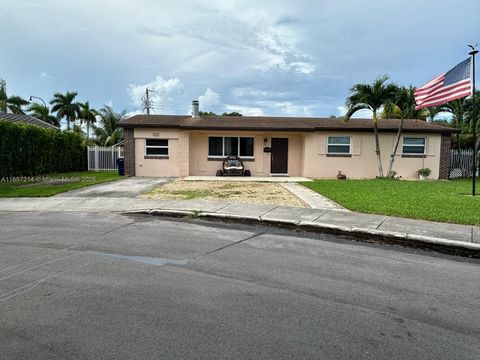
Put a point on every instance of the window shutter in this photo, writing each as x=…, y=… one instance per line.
x=321, y=144
x=357, y=145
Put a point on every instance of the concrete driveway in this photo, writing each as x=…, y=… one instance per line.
x=130, y=187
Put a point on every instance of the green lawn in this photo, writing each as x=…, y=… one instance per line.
x=26, y=188
x=445, y=201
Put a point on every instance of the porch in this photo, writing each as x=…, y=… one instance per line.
x=264, y=154
x=275, y=179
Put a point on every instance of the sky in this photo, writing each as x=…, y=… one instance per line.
x=279, y=58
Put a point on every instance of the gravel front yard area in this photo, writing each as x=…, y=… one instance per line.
x=248, y=192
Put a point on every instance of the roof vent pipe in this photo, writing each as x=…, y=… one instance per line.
x=195, y=108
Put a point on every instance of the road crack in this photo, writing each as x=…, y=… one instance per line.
x=232, y=244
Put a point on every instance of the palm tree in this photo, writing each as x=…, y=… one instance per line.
x=471, y=112
x=3, y=96
x=64, y=106
x=87, y=116
x=109, y=133
x=402, y=104
x=461, y=114
x=14, y=103
x=371, y=97
x=42, y=112
x=457, y=109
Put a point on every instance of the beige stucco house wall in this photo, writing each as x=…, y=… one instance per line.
x=307, y=154
x=362, y=162
x=175, y=164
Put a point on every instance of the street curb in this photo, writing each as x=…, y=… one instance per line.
x=163, y=212
x=461, y=248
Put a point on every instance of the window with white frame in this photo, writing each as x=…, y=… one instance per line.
x=221, y=146
x=156, y=147
x=338, y=145
x=413, y=146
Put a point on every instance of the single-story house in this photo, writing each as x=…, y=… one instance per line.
x=25, y=119
x=182, y=145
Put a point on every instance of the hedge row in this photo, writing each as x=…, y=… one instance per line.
x=29, y=150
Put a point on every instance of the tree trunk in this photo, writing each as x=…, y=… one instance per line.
x=88, y=130
x=377, y=145
x=395, y=148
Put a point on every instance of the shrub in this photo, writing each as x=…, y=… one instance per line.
x=29, y=150
x=424, y=171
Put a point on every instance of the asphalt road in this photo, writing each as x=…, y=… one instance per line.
x=109, y=286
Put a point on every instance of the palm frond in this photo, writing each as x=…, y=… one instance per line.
x=354, y=108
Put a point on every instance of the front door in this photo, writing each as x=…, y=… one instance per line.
x=279, y=162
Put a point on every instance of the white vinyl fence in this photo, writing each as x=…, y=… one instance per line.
x=461, y=163
x=103, y=158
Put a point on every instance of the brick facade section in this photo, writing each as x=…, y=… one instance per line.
x=129, y=151
x=445, y=146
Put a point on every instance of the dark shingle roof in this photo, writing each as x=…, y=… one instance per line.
x=26, y=119
x=264, y=123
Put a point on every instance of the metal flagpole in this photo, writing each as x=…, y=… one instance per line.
x=474, y=120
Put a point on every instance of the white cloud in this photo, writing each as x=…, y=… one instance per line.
x=444, y=116
x=249, y=91
x=245, y=110
x=307, y=54
x=289, y=108
x=302, y=67
x=44, y=75
x=134, y=112
x=209, y=100
x=165, y=97
x=342, y=110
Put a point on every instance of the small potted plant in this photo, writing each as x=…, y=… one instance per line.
x=423, y=173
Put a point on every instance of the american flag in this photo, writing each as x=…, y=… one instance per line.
x=454, y=84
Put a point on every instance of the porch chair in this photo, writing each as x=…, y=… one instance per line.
x=233, y=166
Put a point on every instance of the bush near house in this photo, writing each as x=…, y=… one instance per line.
x=28, y=150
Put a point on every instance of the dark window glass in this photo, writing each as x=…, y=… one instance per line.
x=414, y=141
x=413, y=145
x=157, y=151
x=231, y=146
x=413, y=149
x=342, y=149
x=156, y=147
x=339, y=140
x=338, y=145
x=157, y=142
x=246, y=146
x=215, y=146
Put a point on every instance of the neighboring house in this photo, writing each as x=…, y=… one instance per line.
x=26, y=119
x=172, y=145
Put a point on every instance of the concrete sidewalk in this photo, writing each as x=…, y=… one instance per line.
x=312, y=198
x=381, y=226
